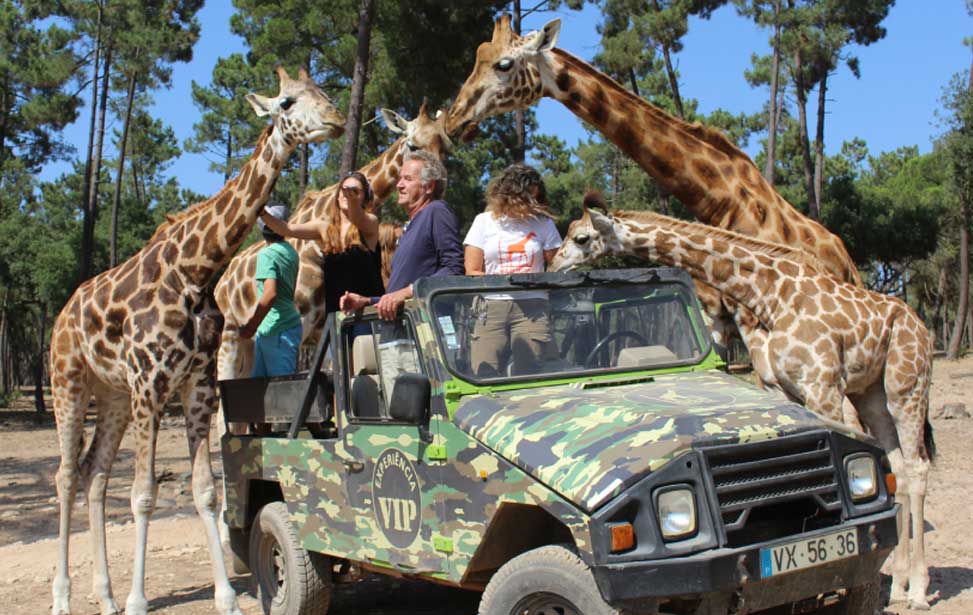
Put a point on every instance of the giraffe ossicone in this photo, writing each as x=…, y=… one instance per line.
x=145, y=330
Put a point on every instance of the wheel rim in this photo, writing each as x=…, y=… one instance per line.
x=273, y=570
x=544, y=603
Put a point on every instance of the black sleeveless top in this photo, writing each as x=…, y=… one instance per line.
x=357, y=269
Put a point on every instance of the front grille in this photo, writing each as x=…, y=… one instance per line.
x=774, y=489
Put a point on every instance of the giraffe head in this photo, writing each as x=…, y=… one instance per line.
x=425, y=132
x=588, y=239
x=506, y=75
x=301, y=112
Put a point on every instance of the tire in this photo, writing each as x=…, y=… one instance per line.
x=239, y=544
x=861, y=600
x=549, y=580
x=287, y=579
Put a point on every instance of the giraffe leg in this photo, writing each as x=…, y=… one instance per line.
x=233, y=361
x=873, y=410
x=144, y=488
x=112, y=421
x=229, y=360
x=70, y=404
x=908, y=371
x=199, y=405
x=900, y=556
x=918, y=572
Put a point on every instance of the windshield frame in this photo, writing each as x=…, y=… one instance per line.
x=429, y=289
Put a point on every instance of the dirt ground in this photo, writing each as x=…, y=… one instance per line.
x=178, y=579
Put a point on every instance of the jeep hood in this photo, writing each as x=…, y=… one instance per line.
x=590, y=441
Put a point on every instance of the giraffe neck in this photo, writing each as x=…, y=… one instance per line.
x=209, y=234
x=382, y=173
x=743, y=269
x=692, y=162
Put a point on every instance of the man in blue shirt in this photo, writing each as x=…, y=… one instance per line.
x=430, y=245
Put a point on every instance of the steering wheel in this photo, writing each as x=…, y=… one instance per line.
x=588, y=362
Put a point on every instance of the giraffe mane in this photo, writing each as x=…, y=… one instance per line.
x=775, y=250
x=707, y=134
x=172, y=219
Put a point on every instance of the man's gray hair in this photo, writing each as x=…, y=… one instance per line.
x=433, y=170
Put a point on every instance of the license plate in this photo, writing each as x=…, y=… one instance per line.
x=807, y=553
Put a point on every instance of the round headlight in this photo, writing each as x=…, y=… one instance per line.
x=862, y=476
x=676, y=510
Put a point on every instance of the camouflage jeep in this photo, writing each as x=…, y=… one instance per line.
x=602, y=463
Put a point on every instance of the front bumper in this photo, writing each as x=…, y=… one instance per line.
x=734, y=574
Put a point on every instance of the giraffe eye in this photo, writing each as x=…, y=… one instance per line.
x=287, y=103
x=505, y=64
x=581, y=239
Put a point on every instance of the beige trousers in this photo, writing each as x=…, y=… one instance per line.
x=517, y=329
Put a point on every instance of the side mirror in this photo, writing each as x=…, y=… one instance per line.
x=410, y=399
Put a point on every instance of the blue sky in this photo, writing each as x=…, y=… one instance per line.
x=892, y=105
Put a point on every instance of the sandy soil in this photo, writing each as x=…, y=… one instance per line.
x=178, y=571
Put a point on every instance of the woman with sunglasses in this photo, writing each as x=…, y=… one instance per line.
x=348, y=237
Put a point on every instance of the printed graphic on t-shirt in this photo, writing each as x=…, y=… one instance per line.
x=517, y=257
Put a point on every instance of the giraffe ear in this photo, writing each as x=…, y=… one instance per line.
x=546, y=38
x=395, y=122
x=261, y=104
x=601, y=222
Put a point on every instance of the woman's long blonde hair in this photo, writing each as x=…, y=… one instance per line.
x=388, y=240
x=509, y=194
x=333, y=242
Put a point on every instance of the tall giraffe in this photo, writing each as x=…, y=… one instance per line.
x=825, y=339
x=712, y=177
x=236, y=292
x=134, y=335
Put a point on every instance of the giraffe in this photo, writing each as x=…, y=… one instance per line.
x=711, y=176
x=134, y=335
x=825, y=340
x=236, y=292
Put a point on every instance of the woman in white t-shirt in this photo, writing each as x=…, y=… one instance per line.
x=516, y=234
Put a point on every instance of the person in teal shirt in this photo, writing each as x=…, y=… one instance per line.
x=275, y=321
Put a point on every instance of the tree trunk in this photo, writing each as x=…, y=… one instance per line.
x=4, y=347
x=956, y=338
x=116, y=199
x=819, y=148
x=519, y=150
x=4, y=118
x=39, y=363
x=673, y=82
x=670, y=73
x=99, y=148
x=88, y=221
x=228, y=167
x=634, y=82
x=305, y=150
x=969, y=329
x=801, y=92
x=770, y=167
x=938, y=324
x=139, y=193
x=952, y=352
x=349, y=154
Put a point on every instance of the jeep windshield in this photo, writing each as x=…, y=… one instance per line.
x=542, y=325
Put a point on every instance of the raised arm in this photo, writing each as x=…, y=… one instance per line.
x=307, y=230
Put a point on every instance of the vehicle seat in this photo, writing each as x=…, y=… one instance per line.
x=641, y=356
x=366, y=395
